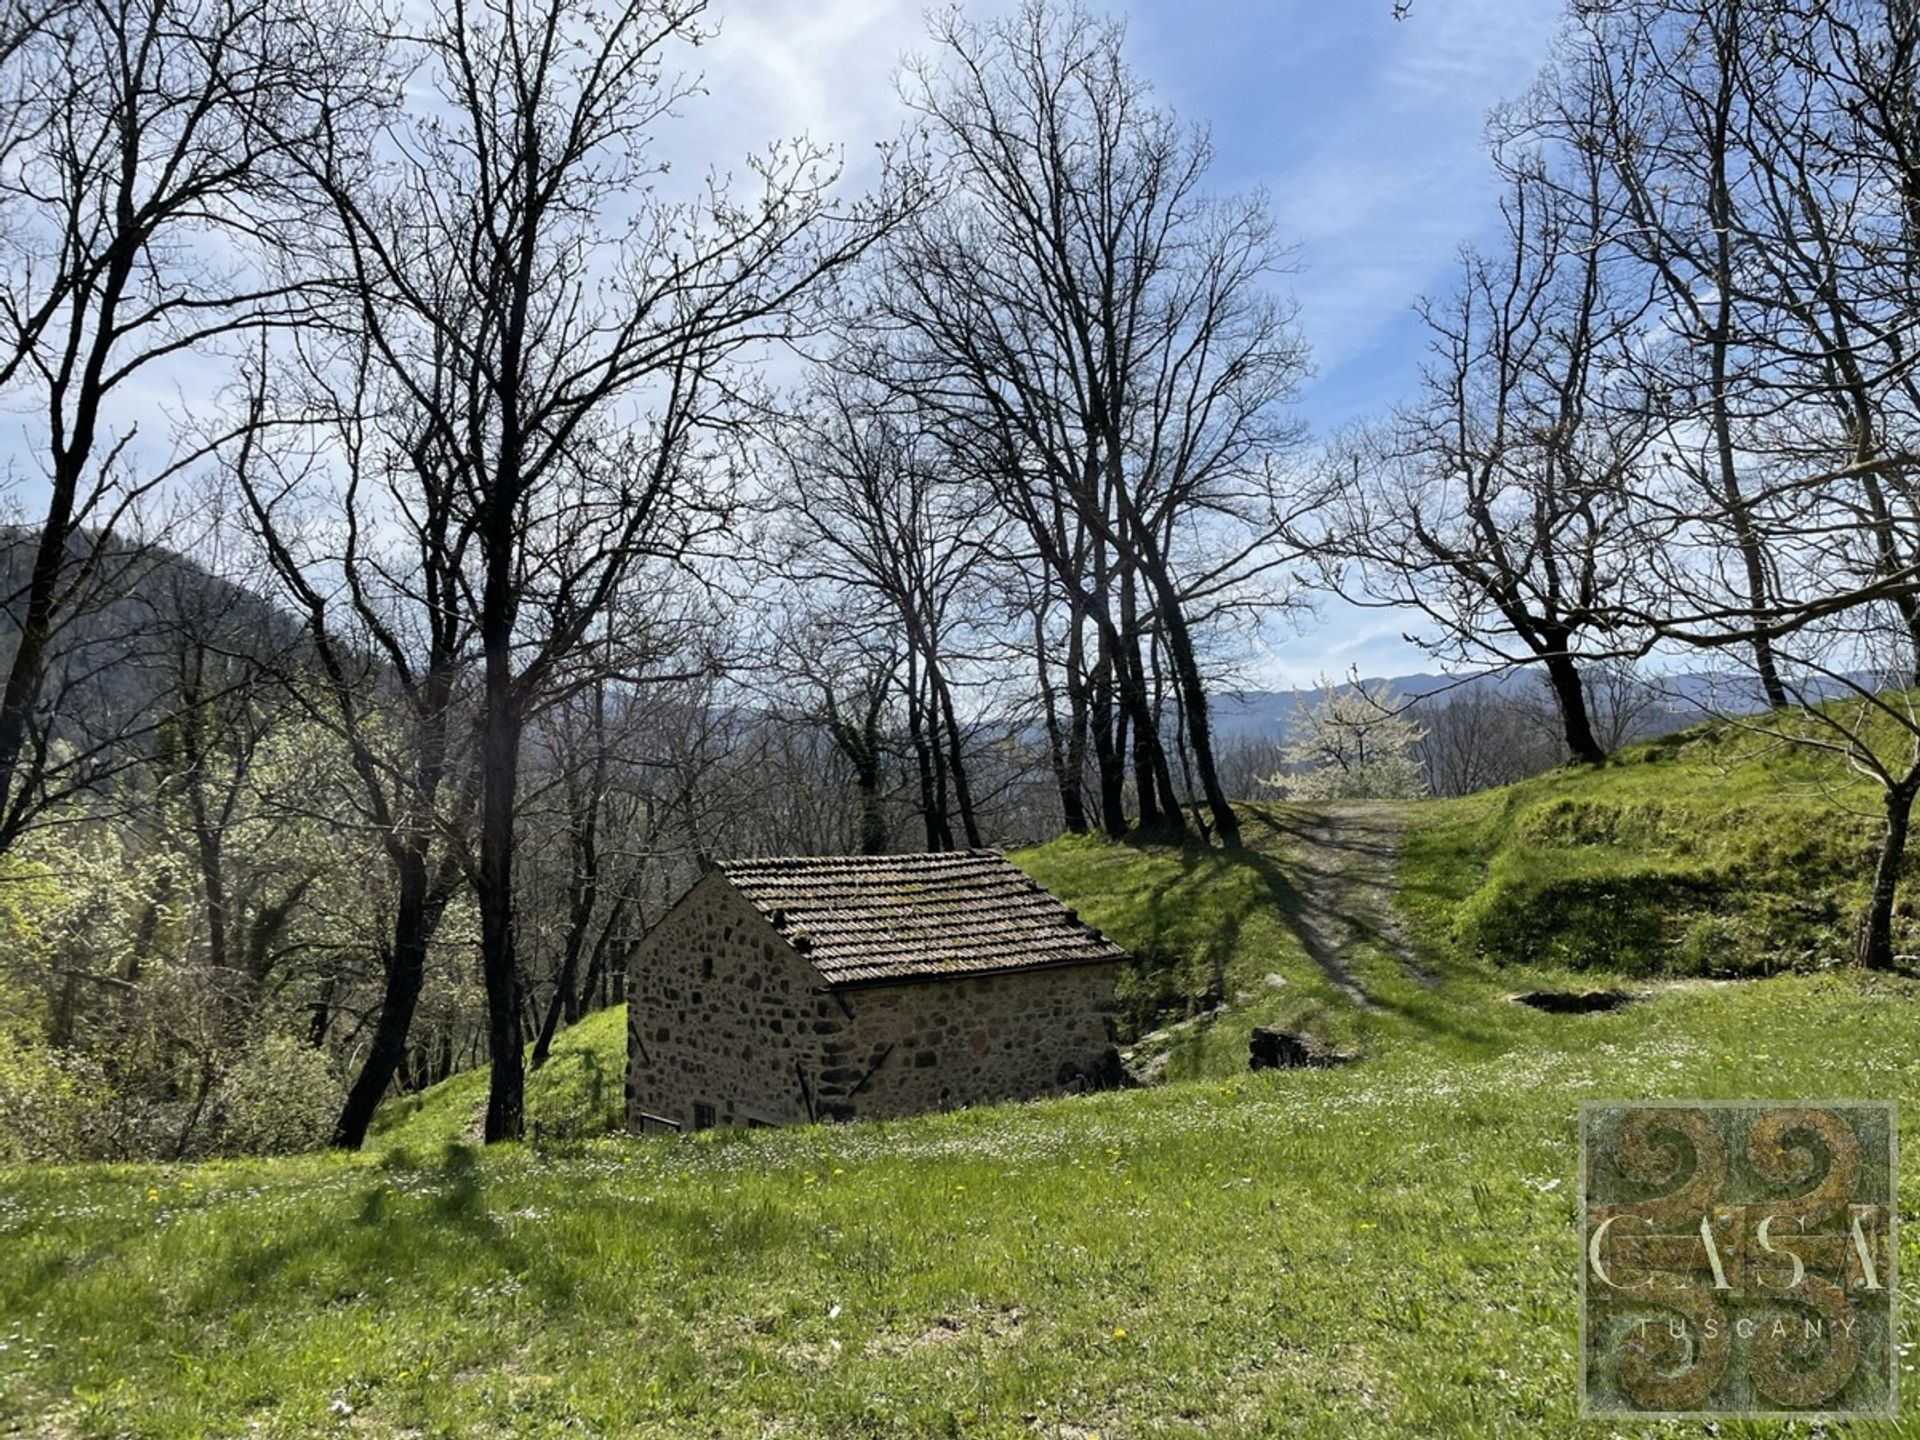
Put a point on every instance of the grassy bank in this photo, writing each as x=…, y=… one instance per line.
x=577, y=1094
x=1718, y=852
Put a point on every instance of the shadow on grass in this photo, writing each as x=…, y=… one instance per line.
x=1331, y=922
x=1324, y=928
x=576, y=1095
x=1184, y=921
x=413, y=1224
x=414, y=1234
x=1198, y=909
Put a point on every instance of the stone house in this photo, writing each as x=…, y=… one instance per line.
x=782, y=991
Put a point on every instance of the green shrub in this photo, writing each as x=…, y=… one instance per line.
x=279, y=1098
x=50, y=1101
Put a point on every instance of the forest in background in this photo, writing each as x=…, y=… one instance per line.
x=545, y=527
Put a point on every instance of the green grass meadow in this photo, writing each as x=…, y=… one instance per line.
x=1383, y=1249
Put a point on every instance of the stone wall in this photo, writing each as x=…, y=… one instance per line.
x=939, y=1044
x=723, y=1013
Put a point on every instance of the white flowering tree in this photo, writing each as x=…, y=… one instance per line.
x=1350, y=742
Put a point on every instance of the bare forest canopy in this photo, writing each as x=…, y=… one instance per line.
x=355, y=722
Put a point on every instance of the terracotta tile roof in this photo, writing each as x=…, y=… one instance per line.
x=867, y=919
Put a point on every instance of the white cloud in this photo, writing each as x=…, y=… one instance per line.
x=1366, y=133
x=781, y=69
x=1393, y=174
x=1344, y=637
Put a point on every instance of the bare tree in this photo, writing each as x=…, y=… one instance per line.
x=1057, y=647
x=1097, y=340
x=874, y=514
x=1768, y=170
x=590, y=807
x=147, y=164
x=1497, y=504
x=846, y=667
x=1659, y=92
x=561, y=361
x=1485, y=735
x=587, y=742
x=364, y=533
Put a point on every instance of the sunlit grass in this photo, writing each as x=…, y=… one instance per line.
x=579, y=1092
x=1381, y=1250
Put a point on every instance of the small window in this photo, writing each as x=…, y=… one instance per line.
x=703, y=1116
x=706, y=968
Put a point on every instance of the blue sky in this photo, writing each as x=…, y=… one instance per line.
x=1365, y=132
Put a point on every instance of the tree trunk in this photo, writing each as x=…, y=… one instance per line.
x=873, y=809
x=1146, y=790
x=1873, y=940
x=321, y=1020
x=1193, y=699
x=593, y=989
x=1110, y=715
x=1747, y=540
x=406, y=972
x=956, y=763
x=1108, y=759
x=860, y=743
x=1073, y=811
x=926, y=756
x=499, y=791
x=1076, y=679
x=1570, y=696
x=1133, y=697
x=28, y=670
x=204, y=1088
x=72, y=449
x=583, y=883
x=213, y=883
x=208, y=840
x=1173, y=814
x=563, y=1002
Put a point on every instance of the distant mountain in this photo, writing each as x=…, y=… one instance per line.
x=120, y=654
x=1679, y=699
x=117, y=653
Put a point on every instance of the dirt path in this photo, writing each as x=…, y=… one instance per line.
x=1343, y=859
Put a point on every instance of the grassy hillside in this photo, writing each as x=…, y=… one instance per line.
x=577, y=1093
x=1384, y=1249
x=1716, y=851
